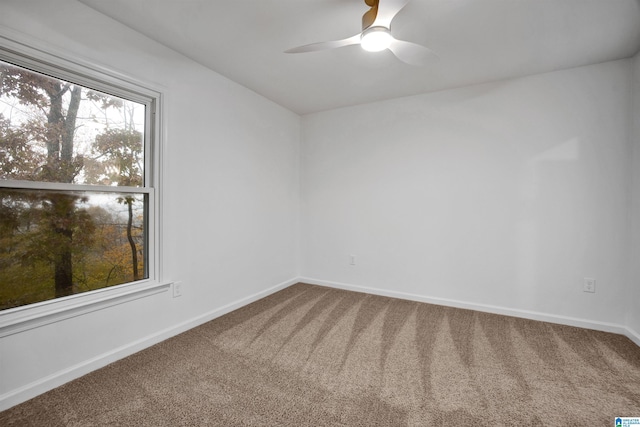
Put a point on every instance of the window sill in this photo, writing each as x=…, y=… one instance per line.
x=20, y=319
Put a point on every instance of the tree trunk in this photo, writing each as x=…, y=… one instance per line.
x=61, y=168
x=64, y=236
x=132, y=243
x=69, y=167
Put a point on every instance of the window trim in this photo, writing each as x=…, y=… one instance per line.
x=31, y=53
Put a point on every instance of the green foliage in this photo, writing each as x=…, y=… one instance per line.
x=28, y=248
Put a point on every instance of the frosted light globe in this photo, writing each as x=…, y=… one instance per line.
x=375, y=39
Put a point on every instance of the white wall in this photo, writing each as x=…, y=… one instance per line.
x=634, y=281
x=231, y=198
x=505, y=194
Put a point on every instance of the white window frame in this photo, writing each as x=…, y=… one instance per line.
x=45, y=59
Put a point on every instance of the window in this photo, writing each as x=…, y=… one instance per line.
x=78, y=175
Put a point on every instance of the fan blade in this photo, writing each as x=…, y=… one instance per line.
x=325, y=45
x=387, y=10
x=412, y=53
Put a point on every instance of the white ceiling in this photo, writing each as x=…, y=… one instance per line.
x=476, y=40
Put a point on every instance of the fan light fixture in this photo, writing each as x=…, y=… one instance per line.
x=376, y=35
x=375, y=39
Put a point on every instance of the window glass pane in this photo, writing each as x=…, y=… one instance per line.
x=58, y=243
x=55, y=131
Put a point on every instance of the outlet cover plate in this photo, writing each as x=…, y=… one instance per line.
x=177, y=289
x=589, y=285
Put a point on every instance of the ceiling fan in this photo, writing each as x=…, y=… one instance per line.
x=376, y=35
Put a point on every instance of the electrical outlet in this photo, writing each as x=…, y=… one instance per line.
x=352, y=259
x=589, y=285
x=177, y=289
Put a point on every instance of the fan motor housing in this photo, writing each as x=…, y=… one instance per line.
x=370, y=16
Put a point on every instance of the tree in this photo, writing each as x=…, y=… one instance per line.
x=122, y=150
x=46, y=94
x=55, y=243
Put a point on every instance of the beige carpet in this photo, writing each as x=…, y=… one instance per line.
x=314, y=356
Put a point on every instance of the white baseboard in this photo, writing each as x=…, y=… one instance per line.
x=59, y=378
x=526, y=314
x=633, y=336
